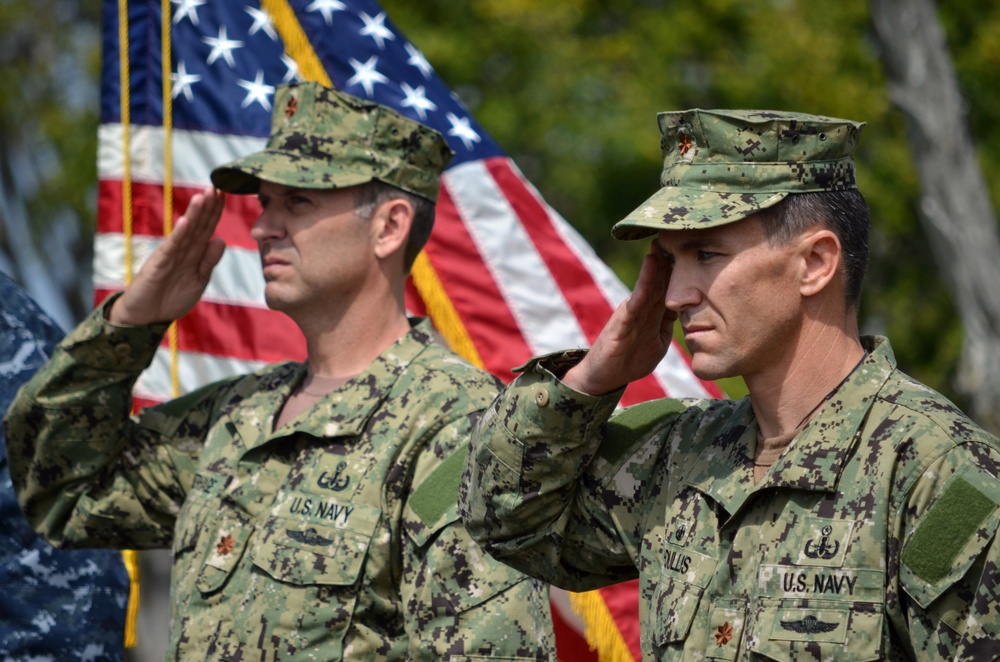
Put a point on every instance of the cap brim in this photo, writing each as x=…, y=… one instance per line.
x=675, y=208
x=244, y=176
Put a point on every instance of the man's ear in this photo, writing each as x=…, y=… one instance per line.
x=391, y=225
x=821, y=261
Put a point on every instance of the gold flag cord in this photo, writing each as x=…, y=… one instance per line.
x=602, y=631
x=129, y=557
x=168, y=170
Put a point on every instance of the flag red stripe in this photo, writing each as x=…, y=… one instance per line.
x=622, y=601
x=251, y=334
x=575, y=281
x=147, y=216
x=473, y=292
x=571, y=646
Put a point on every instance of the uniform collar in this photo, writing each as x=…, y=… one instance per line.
x=344, y=411
x=816, y=457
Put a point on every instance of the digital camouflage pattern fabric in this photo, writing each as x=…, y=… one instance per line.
x=873, y=537
x=720, y=166
x=323, y=138
x=57, y=604
x=334, y=537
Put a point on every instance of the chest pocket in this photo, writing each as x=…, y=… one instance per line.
x=687, y=569
x=316, y=540
x=677, y=597
x=208, y=543
x=832, y=613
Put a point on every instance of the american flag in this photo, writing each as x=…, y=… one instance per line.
x=504, y=277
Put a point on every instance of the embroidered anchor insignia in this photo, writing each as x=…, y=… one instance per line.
x=308, y=537
x=335, y=482
x=809, y=625
x=823, y=550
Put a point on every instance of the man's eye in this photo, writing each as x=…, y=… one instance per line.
x=706, y=255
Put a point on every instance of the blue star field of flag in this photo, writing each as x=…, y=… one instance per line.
x=227, y=60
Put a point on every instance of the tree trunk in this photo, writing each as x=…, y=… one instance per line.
x=954, y=208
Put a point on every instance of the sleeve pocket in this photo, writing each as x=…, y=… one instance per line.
x=948, y=539
x=465, y=575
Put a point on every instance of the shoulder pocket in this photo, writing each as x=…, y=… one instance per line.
x=434, y=503
x=465, y=575
x=949, y=537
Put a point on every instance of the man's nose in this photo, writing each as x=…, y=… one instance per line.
x=266, y=227
x=681, y=291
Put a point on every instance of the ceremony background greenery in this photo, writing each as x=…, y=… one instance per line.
x=570, y=89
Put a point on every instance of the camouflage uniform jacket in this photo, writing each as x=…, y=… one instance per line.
x=56, y=604
x=334, y=537
x=871, y=537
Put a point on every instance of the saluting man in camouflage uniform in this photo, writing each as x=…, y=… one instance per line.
x=311, y=508
x=842, y=511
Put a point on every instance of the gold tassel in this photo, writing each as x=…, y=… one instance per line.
x=601, y=630
x=131, y=559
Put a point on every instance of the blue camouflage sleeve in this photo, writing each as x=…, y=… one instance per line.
x=60, y=605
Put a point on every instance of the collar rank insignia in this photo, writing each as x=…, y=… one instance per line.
x=809, y=625
x=308, y=537
x=225, y=545
x=724, y=634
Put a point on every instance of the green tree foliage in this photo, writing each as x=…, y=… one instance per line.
x=49, y=65
x=570, y=89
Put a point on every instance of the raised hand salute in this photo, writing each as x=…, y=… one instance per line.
x=176, y=274
x=637, y=336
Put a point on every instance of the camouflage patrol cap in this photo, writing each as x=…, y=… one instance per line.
x=322, y=138
x=720, y=166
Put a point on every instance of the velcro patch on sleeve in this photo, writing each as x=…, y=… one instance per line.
x=633, y=422
x=439, y=491
x=945, y=530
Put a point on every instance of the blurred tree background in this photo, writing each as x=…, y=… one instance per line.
x=570, y=88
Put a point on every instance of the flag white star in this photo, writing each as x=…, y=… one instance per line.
x=291, y=69
x=182, y=82
x=365, y=74
x=375, y=28
x=327, y=7
x=222, y=46
x=261, y=21
x=188, y=9
x=257, y=91
x=418, y=60
x=417, y=99
x=462, y=129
